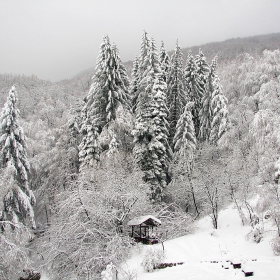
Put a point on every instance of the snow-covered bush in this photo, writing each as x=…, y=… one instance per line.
x=85, y=228
x=152, y=258
x=256, y=234
x=110, y=273
x=275, y=245
x=175, y=222
x=127, y=273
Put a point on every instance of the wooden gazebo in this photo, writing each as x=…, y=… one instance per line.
x=142, y=229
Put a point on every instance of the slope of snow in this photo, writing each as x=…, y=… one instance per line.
x=199, y=250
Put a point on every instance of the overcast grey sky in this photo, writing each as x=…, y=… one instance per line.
x=56, y=39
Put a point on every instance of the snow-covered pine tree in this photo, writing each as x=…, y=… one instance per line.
x=218, y=105
x=108, y=91
x=75, y=118
x=164, y=62
x=144, y=134
x=176, y=91
x=19, y=200
x=152, y=64
x=151, y=150
x=205, y=113
x=205, y=116
x=144, y=50
x=202, y=67
x=134, y=83
x=162, y=126
x=117, y=84
x=185, y=139
x=152, y=68
x=195, y=89
x=212, y=73
x=91, y=125
x=139, y=68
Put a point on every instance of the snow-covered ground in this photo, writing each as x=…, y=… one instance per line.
x=197, y=250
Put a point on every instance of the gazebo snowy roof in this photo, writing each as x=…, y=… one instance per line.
x=145, y=220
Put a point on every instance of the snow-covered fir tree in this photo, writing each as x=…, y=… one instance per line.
x=205, y=116
x=121, y=83
x=75, y=118
x=108, y=91
x=195, y=89
x=212, y=73
x=151, y=150
x=152, y=68
x=206, y=113
x=185, y=139
x=144, y=50
x=152, y=63
x=219, y=122
x=19, y=200
x=164, y=60
x=134, y=83
x=162, y=125
x=144, y=136
x=139, y=67
x=202, y=67
x=176, y=91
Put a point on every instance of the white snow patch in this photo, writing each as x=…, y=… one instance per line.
x=198, y=251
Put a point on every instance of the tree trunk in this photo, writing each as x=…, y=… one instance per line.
x=193, y=195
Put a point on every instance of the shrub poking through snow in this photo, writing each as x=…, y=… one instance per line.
x=256, y=234
x=275, y=245
x=152, y=258
x=164, y=265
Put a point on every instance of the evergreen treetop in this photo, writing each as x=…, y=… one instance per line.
x=152, y=61
x=202, y=66
x=164, y=62
x=212, y=73
x=108, y=91
x=194, y=83
x=151, y=71
x=144, y=50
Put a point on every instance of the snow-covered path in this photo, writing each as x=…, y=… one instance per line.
x=199, y=249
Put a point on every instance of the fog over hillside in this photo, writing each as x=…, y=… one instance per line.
x=226, y=50
x=54, y=40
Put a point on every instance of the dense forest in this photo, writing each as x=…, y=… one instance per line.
x=178, y=135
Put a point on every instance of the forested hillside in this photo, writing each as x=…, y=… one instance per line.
x=232, y=48
x=179, y=136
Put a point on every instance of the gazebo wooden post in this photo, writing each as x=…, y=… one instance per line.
x=132, y=231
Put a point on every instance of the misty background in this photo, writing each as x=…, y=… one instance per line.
x=57, y=39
